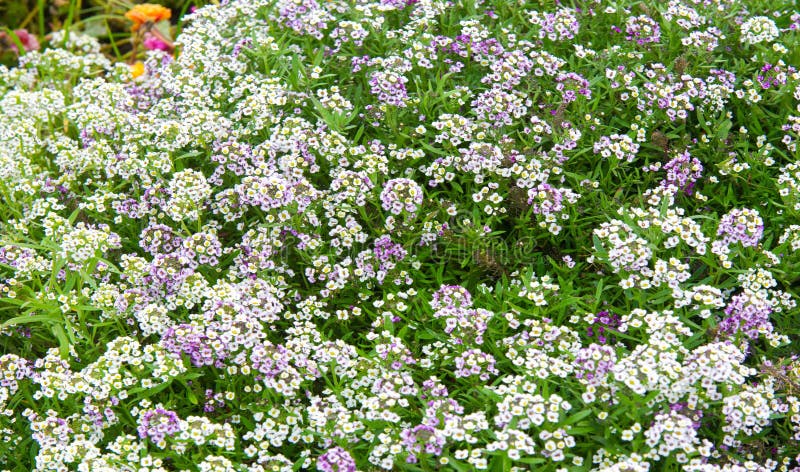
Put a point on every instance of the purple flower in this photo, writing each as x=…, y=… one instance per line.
x=571, y=85
x=602, y=323
x=387, y=254
x=454, y=296
x=336, y=459
x=171, y=270
x=741, y=226
x=559, y=26
x=422, y=439
x=642, y=29
x=305, y=17
x=593, y=363
x=747, y=314
x=545, y=199
x=158, y=424
x=476, y=362
x=401, y=195
x=192, y=341
x=682, y=172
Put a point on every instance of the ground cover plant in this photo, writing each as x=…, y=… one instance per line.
x=406, y=235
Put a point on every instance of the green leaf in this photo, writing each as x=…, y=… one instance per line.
x=577, y=417
x=63, y=340
x=19, y=320
x=724, y=129
x=532, y=460
x=142, y=393
x=459, y=467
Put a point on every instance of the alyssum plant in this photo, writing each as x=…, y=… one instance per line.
x=406, y=235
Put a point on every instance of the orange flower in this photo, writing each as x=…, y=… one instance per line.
x=147, y=12
x=137, y=69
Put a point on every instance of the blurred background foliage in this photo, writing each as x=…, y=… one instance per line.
x=103, y=19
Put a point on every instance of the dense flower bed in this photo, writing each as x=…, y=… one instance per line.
x=407, y=235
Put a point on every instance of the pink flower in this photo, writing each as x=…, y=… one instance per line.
x=154, y=43
x=29, y=41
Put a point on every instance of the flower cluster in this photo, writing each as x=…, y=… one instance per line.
x=674, y=431
x=401, y=195
x=404, y=235
x=643, y=30
x=336, y=459
x=622, y=147
x=467, y=325
x=475, y=362
x=158, y=424
x=561, y=25
x=759, y=29
x=743, y=226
